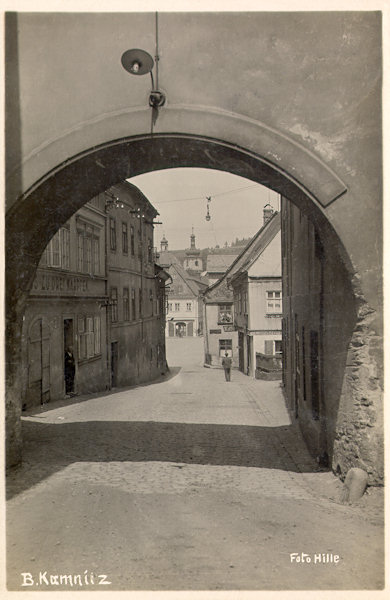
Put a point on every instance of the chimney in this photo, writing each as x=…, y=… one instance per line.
x=268, y=212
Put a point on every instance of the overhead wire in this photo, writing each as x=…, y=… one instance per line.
x=210, y=195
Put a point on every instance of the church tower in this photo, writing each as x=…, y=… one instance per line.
x=193, y=260
x=164, y=244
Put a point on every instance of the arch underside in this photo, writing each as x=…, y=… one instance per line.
x=54, y=198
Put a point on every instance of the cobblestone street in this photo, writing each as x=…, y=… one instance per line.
x=186, y=483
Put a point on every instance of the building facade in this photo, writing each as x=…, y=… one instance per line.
x=318, y=317
x=242, y=310
x=95, y=317
x=184, y=315
x=136, y=297
x=220, y=335
x=257, y=291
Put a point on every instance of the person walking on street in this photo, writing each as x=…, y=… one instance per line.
x=227, y=365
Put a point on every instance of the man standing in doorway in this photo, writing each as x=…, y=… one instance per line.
x=227, y=365
x=70, y=370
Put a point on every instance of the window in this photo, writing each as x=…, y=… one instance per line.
x=274, y=302
x=225, y=346
x=225, y=313
x=57, y=251
x=273, y=348
x=89, y=337
x=96, y=256
x=126, y=305
x=177, y=306
x=112, y=234
x=133, y=314
x=132, y=245
x=245, y=302
x=125, y=239
x=88, y=249
x=114, y=304
x=65, y=247
x=189, y=305
x=170, y=307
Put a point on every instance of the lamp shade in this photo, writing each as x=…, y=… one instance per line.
x=137, y=62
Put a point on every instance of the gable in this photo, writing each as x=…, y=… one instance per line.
x=269, y=262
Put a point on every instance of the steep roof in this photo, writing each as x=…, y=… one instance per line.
x=218, y=263
x=167, y=258
x=253, y=249
x=190, y=287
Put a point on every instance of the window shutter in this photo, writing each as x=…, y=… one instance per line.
x=269, y=347
x=171, y=329
x=190, y=329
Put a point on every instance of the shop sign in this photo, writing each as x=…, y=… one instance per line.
x=50, y=282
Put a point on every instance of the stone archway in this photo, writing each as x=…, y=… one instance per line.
x=53, y=199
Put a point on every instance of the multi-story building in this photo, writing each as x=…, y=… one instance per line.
x=95, y=317
x=66, y=311
x=184, y=316
x=242, y=310
x=314, y=358
x=220, y=335
x=257, y=290
x=135, y=288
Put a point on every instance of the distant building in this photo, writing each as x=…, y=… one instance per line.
x=95, y=316
x=193, y=260
x=220, y=335
x=184, y=309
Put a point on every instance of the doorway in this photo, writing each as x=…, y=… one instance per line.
x=114, y=364
x=38, y=389
x=181, y=329
x=69, y=357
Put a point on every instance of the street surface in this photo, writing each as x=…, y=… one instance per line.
x=187, y=483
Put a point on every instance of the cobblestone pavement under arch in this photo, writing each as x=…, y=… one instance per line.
x=189, y=483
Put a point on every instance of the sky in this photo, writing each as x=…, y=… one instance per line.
x=180, y=196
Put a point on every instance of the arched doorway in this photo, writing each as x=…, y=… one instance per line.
x=180, y=329
x=52, y=200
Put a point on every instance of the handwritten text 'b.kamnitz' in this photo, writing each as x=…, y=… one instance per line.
x=79, y=580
